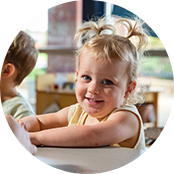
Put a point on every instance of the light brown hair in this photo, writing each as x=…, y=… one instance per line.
x=23, y=55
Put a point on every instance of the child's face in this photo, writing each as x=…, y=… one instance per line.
x=101, y=85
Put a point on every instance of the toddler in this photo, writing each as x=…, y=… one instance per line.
x=107, y=71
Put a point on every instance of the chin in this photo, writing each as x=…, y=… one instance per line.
x=92, y=111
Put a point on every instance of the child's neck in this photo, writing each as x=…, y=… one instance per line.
x=9, y=94
x=89, y=120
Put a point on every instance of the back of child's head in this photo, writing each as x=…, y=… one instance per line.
x=23, y=55
x=105, y=45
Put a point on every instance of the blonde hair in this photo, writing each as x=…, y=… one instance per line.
x=23, y=55
x=108, y=46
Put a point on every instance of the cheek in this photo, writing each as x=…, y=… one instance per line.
x=79, y=89
x=114, y=95
x=110, y=94
x=77, y=93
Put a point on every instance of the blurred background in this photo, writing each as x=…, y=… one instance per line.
x=54, y=31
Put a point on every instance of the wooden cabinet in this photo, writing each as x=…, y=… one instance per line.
x=46, y=94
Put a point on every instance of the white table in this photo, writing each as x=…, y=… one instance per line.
x=87, y=160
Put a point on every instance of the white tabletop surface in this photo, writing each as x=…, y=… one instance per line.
x=87, y=160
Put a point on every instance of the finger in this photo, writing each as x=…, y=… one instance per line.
x=22, y=123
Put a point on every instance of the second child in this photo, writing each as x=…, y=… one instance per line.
x=19, y=62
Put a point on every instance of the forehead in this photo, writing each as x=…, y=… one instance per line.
x=88, y=55
x=101, y=65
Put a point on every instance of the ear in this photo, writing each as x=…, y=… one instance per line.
x=77, y=72
x=130, y=88
x=8, y=70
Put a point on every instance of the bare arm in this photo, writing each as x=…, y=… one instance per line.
x=47, y=121
x=114, y=130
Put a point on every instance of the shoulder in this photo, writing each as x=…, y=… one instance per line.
x=17, y=100
x=127, y=116
x=19, y=107
x=131, y=108
x=23, y=103
x=127, y=110
x=75, y=108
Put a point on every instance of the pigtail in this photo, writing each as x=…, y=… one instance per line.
x=136, y=30
x=93, y=28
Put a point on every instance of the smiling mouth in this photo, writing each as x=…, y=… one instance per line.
x=93, y=100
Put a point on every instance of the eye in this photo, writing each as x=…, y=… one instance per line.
x=85, y=77
x=107, y=82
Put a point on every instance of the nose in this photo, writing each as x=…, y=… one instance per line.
x=94, y=88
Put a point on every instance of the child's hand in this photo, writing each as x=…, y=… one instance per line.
x=22, y=123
